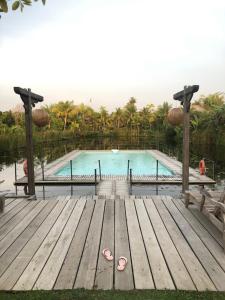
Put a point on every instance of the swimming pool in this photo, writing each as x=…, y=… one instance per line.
x=113, y=163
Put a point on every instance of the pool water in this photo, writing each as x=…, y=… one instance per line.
x=141, y=163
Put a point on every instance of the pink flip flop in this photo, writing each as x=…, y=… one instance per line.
x=122, y=262
x=107, y=254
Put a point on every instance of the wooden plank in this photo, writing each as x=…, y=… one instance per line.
x=213, y=269
x=104, y=272
x=12, y=213
x=51, y=270
x=8, y=200
x=21, y=241
x=12, y=274
x=33, y=270
x=141, y=270
x=181, y=277
x=160, y=272
x=17, y=230
x=12, y=223
x=123, y=280
x=11, y=205
x=215, y=233
x=87, y=269
x=194, y=267
x=216, y=250
x=71, y=263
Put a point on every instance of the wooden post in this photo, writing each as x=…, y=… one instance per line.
x=186, y=143
x=16, y=177
x=185, y=97
x=29, y=145
x=29, y=99
x=43, y=170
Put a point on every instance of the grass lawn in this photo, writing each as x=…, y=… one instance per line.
x=117, y=295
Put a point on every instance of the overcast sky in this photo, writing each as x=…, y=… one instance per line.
x=110, y=50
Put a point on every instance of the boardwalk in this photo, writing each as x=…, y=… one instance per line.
x=56, y=244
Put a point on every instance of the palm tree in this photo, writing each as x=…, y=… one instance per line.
x=63, y=109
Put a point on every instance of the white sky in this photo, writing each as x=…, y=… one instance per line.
x=110, y=50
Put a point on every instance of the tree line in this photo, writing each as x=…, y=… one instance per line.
x=67, y=119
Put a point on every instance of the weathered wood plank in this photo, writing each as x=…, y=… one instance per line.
x=16, y=221
x=213, y=269
x=12, y=213
x=161, y=275
x=104, y=272
x=123, y=280
x=212, y=245
x=16, y=231
x=175, y=264
x=10, y=206
x=22, y=239
x=8, y=200
x=215, y=233
x=33, y=270
x=71, y=263
x=87, y=269
x=194, y=267
x=52, y=267
x=141, y=270
x=12, y=274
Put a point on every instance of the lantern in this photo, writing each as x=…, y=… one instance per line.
x=175, y=116
x=40, y=117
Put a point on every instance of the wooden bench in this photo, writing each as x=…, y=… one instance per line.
x=211, y=205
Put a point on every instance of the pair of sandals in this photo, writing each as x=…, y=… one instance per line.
x=122, y=261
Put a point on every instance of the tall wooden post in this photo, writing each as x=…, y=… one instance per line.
x=186, y=143
x=29, y=99
x=29, y=145
x=185, y=97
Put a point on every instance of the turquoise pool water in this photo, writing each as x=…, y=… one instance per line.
x=141, y=163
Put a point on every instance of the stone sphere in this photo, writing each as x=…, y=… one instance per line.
x=175, y=116
x=40, y=117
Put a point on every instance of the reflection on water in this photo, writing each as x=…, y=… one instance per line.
x=214, y=154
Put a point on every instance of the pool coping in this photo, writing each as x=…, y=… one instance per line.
x=171, y=163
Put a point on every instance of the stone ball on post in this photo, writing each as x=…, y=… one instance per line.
x=40, y=117
x=175, y=116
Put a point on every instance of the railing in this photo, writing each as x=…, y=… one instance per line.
x=128, y=168
x=100, y=170
x=95, y=175
x=157, y=170
x=131, y=179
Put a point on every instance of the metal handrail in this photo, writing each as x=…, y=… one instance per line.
x=130, y=181
x=128, y=167
x=100, y=171
x=157, y=169
x=95, y=175
x=71, y=169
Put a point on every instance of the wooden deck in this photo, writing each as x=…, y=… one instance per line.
x=57, y=244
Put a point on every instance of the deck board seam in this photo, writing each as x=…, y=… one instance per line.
x=55, y=243
x=199, y=236
x=1, y=273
